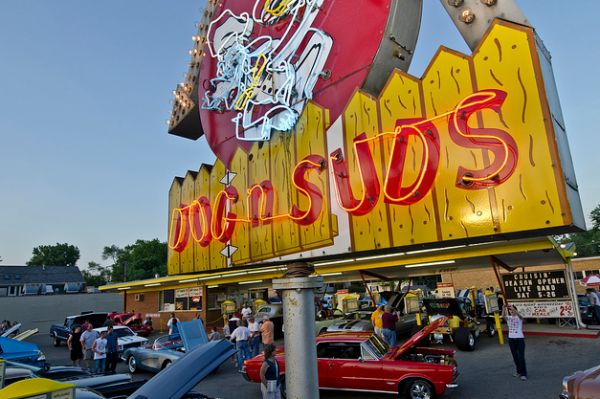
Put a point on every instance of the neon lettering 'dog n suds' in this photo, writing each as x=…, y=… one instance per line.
x=198, y=221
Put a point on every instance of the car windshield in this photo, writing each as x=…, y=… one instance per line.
x=358, y=316
x=378, y=345
x=123, y=332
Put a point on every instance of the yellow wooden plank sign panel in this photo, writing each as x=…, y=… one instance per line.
x=311, y=140
x=187, y=198
x=241, y=235
x=201, y=190
x=360, y=117
x=507, y=61
x=173, y=265
x=261, y=238
x=401, y=102
x=217, y=260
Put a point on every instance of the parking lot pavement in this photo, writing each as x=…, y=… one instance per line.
x=485, y=372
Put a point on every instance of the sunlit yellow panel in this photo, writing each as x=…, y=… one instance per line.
x=370, y=231
x=530, y=199
x=217, y=260
x=286, y=238
x=261, y=236
x=173, y=265
x=202, y=189
x=462, y=213
x=241, y=236
x=401, y=100
x=187, y=197
x=311, y=140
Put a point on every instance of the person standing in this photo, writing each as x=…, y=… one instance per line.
x=241, y=337
x=246, y=311
x=87, y=340
x=594, y=304
x=269, y=375
x=214, y=335
x=377, y=321
x=516, y=339
x=267, y=330
x=108, y=322
x=99, y=349
x=174, y=328
x=389, y=320
x=254, y=335
x=112, y=346
x=171, y=320
x=75, y=348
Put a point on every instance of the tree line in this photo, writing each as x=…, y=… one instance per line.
x=142, y=260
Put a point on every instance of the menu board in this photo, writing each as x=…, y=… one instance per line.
x=538, y=285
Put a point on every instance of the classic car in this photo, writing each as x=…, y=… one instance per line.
x=19, y=351
x=109, y=385
x=133, y=321
x=60, y=332
x=582, y=385
x=38, y=388
x=275, y=313
x=362, y=361
x=125, y=338
x=461, y=327
x=175, y=381
x=360, y=320
x=325, y=318
x=166, y=349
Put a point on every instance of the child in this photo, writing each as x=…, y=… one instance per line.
x=99, y=349
x=214, y=336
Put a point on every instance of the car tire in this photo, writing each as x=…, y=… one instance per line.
x=464, y=338
x=419, y=388
x=425, y=341
x=132, y=365
x=56, y=341
x=166, y=364
x=282, y=387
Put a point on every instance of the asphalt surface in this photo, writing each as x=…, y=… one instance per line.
x=485, y=372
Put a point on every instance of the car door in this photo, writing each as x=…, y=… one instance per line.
x=348, y=369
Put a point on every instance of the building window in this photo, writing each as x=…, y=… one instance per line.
x=181, y=299
x=578, y=275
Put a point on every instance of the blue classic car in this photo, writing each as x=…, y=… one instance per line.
x=166, y=349
x=19, y=351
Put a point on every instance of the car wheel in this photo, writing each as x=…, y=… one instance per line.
x=56, y=341
x=132, y=364
x=282, y=387
x=464, y=338
x=419, y=389
x=166, y=364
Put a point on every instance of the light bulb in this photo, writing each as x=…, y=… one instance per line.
x=467, y=16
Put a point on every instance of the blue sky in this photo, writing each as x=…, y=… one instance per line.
x=85, y=157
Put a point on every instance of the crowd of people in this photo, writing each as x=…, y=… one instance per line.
x=5, y=326
x=86, y=344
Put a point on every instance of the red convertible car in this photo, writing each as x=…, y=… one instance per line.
x=133, y=321
x=362, y=361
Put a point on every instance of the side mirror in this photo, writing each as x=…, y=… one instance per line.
x=360, y=359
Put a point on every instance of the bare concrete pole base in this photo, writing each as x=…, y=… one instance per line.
x=301, y=372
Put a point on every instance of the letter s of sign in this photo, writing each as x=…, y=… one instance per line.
x=315, y=196
x=499, y=142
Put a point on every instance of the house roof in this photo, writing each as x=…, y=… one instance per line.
x=19, y=275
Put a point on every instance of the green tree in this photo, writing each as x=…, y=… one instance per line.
x=144, y=260
x=54, y=255
x=587, y=243
x=96, y=275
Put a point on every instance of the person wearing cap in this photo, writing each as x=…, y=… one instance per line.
x=254, y=335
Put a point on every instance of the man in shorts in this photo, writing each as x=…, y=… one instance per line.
x=87, y=340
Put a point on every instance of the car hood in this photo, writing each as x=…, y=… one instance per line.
x=352, y=324
x=419, y=336
x=445, y=307
x=181, y=376
x=9, y=346
x=192, y=334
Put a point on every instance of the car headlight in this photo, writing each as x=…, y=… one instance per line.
x=41, y=357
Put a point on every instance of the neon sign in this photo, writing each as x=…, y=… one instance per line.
x=266, y=80
x=200, y=223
